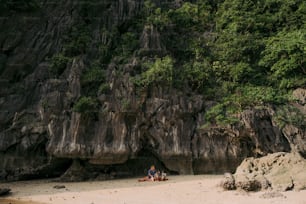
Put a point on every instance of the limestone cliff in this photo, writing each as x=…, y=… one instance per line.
x=41, y=135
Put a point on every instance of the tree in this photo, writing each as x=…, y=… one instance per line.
x=160, y=71
x=285, y=56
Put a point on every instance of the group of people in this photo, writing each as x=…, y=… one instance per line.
x=154, y=175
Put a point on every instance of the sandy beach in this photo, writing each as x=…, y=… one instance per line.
x=177, y=190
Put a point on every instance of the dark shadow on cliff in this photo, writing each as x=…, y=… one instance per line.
x=137, y=166
x=140, y=164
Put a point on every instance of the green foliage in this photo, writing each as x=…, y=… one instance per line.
x=247, y=96
x=94, y=75
x=129, y=42
x=77, y=40
x=285, y=56
x=149, y=6
x=293, y=82
x=185, y=31
x=92, y=78
x=289, y=115
x=85, y=105
x=158, y=18
x=160, y=71
x=125, y=104
x=225, y=112
x=186, y=15
x=245, y=29
x=236, y=54
x=58, y=64
x=75, y=43
x=221, y=114
x=104, y=88
x=196, y=73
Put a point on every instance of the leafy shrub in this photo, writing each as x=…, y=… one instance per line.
x=85, y=105
x=289, y=115
x=58, y=64
x=92, y=79
x=292, y=82
x=160, y=71
x=129, y=42
x=226, y=110
x=77, y=40
x=221, y=114
x=187, y=15
x=104, y=88
x=196, y=73
x=94, y=75
x=285, y=55
x=257, y=95
x=125, y=104
x=158, y=18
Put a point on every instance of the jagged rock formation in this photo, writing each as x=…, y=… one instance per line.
x=278, y=171
x=41, y=136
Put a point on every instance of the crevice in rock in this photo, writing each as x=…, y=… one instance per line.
x=193, y=134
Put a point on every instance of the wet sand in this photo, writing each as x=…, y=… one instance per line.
x=178, y=190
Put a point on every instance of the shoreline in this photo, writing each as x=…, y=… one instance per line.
x=178, y=189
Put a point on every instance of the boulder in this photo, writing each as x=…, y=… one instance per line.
x=279, y=171
x=229, y=182
x=249, y=185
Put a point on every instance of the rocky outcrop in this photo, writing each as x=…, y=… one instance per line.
x=296, y=135
x=150, y=42
x=278, y=171
x=42, y=136
x=300, y=96
x=222, y=149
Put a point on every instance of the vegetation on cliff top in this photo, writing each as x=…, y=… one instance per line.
x=235, y=52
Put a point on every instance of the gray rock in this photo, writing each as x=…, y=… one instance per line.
x=249, y=185
x=300, y=95
x=278, y=171
x=59, y=186
x=229, y=182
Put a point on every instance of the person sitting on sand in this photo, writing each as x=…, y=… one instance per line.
x=152, y=174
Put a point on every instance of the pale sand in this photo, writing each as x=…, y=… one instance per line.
x=178, y=190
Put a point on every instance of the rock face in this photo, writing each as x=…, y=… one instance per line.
x=278, y=171
x=41, y=136
x=229, y=182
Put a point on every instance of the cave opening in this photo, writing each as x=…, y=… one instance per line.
x=139, y=165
